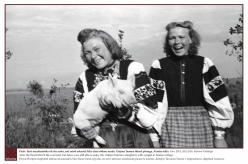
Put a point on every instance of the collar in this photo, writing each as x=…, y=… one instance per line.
x=102, y=74
x=185, y=57
x=113, y=67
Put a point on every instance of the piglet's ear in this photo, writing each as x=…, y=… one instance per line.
x=111, y=81
x=132, y=80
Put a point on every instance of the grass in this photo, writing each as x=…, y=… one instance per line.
x=25, y=128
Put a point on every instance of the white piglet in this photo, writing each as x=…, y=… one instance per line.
x=89, y=111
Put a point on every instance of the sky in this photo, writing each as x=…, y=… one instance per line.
x=43, y=38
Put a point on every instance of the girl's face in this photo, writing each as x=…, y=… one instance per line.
x=179, y=41
x=97, y=53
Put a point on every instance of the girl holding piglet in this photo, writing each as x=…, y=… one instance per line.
x=124, y=127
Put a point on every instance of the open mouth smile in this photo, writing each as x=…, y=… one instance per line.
x=177, y=48
x=97, y=61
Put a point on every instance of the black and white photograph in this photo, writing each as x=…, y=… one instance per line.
x=124, y=77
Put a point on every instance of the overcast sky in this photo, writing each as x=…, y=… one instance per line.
x=43, y=38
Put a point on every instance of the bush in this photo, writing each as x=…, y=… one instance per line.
x=35, y=88
x=234, y=135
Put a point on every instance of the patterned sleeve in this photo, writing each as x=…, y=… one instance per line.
x=215, y=94
x=156, y=78
x=78, y=92
x=143, y=90
x=157, y=82
x=145, y=95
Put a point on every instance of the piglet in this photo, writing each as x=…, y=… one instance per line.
x=90, y=111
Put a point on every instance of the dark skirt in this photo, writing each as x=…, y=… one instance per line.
x=187, y=127
x=125, y=135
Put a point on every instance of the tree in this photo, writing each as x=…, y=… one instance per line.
x=8, y=54
x=236, y=47
x=126, y=56
x=235, y=88
x=35, y=88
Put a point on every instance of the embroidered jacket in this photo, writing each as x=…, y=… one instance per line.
x=143, y=92
x=191, y=81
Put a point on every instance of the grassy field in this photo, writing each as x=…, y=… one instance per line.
x=35, y=123
x=25, y=127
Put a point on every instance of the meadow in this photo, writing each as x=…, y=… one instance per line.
x=26, y=127
x=33, y=122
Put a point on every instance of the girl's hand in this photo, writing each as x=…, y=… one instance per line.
x=220, y=143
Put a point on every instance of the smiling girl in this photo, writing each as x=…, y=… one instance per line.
x=102, y=54
x=190, y=91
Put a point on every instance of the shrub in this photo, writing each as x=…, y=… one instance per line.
x=35, y=88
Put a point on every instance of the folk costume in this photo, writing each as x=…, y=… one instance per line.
x=193, y=97
x=115, y=131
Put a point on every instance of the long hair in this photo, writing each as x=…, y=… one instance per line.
x=108, y=40
x=195, y=38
